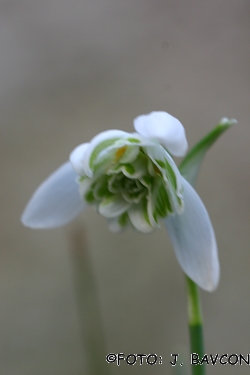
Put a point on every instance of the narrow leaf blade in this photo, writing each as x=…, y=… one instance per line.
x=190, y=165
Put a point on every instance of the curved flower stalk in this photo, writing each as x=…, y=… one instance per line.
x=133, y=181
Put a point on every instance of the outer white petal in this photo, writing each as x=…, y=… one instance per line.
x=194, y=241
x=55, y=202
x=165, y=128
x=77, y=157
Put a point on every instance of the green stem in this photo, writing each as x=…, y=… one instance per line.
x=89, y=307
x=195, y=326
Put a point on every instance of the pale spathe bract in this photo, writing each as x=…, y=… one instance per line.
x=133, y=181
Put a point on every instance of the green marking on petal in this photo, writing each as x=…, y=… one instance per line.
x=133, y=140
x=147, y=181
x=89, y=197
x=129, y=169
x=123, y=219
x=134, y=196
x=161, y=163
x=151, y=169
x=145, y=210
x=99, y=148
x=100, y=188
x=171, y=175
x=162, y=204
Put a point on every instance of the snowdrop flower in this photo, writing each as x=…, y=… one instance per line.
x=132, y=180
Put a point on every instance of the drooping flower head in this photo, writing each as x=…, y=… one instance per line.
x=133, y=181
x=131, y=178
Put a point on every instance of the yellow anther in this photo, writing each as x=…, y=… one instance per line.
x=120, y=152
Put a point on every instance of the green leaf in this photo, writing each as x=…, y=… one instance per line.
x=190, y=165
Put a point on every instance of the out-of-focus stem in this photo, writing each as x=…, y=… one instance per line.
x=88, y=305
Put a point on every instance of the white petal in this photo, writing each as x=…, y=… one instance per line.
x=159, y=153
x=130, y=154
x=100, y=138
x=138, y=219
x=112, y=207
x=55, y=202
x=165, y=128
x=77, y=157
x=194, y=241
x=84, y=186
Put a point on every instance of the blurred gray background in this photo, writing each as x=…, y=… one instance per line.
x=68, y=70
